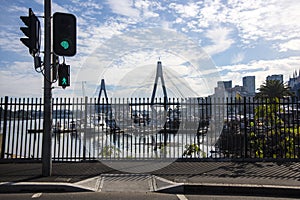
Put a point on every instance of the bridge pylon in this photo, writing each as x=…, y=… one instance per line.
x=103, y=106
x=102, y=88
x=159, y=74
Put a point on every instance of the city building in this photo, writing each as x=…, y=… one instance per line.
x=222, y=89
x=294, y=84
x=227, y=84
x=278, y=77
x=249, y=85
x=225, y=89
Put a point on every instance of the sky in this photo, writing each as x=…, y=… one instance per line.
x=198, y=42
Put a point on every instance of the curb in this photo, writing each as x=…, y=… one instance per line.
x=11, y=187
x=232, y=189
x=177, y=188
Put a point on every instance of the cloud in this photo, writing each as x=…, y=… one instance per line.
x=271, y=20
x=185, y=11
x=220, y=39
x=145, y=8
x=260, y=69
x=20, y=79
x=138, y=9
x=129, y=53
x=10, y=41
x=218, y=24
x=238, y=57
x=91, y=37
x=88, y=4
x=124, y=7
x=293, y=44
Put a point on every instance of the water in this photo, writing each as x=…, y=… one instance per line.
x=24, y=140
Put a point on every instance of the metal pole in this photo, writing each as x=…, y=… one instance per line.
x=46, y=154
x=4, y=126
x=85, y=127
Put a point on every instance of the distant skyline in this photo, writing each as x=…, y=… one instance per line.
x=241, y=37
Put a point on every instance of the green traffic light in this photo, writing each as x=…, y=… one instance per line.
x=65, y=44
x=64, y=81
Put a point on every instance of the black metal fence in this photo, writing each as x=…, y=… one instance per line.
x=133, y=128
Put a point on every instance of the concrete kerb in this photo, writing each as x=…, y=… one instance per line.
x=232, y=189
x=23, y=187
x=158, y=184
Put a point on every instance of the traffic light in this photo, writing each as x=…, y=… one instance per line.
x=64, y=34
x=32, y=31
x=64, y=75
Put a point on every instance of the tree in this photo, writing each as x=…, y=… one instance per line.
x=273, y=89
x=274, y=138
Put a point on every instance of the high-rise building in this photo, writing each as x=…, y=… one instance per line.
x=225, y=84
x=294, y=84
x=249, y=85
x=278, y=77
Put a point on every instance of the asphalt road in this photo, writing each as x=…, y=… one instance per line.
x=125, y=196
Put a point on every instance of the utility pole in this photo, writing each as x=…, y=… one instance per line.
x=46, y=148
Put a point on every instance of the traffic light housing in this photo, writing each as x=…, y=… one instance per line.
x=32, y=32
x=63, y=75
x=64, y=34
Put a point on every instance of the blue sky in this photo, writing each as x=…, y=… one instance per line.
x=241, y=37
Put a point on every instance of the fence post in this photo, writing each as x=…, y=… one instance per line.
x=4, y=126
x=85, y=126
x=245, y=128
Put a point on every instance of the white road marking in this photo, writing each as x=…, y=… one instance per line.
x=181, y=197
x=36, y=195
x=101, y=184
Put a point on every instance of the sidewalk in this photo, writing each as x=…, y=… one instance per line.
x=184, y=176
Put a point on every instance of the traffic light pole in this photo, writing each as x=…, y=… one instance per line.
x=46, y=148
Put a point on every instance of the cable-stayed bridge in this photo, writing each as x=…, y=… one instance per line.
x=158, y=122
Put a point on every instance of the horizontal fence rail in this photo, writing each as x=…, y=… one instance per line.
x=135, y=128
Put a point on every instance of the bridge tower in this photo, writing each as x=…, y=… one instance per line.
x=101, y=106
x=102, y=88
x=159, y=74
